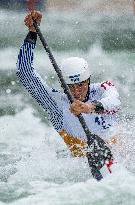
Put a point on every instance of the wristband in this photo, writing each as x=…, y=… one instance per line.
x=31, y=37
x=98, y=107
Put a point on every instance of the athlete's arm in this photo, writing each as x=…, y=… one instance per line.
x=44, y=95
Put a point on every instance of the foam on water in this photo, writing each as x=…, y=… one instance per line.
x=35, y=165
x=39, y=169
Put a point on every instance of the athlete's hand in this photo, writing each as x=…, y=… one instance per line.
x=78, y=107
x=36, y=15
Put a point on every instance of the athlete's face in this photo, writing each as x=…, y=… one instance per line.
x=79, y=90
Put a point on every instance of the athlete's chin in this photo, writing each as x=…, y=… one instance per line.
x=79, y=98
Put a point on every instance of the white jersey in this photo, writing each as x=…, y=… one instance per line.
x=57, y=104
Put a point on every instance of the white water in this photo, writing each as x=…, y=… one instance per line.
x=37, y=168
x=35, y=165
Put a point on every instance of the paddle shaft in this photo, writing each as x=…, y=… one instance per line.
x=63, y=83
x=90, y=137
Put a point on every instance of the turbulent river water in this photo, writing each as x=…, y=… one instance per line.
x=35, y=166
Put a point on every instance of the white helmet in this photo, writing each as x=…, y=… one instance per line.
x=75, y=70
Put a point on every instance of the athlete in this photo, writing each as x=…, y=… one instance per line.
x=99, y=102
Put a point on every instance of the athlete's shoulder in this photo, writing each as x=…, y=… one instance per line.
x=104, y=85
x=107, y=84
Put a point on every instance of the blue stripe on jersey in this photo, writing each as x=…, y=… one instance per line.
x=35, y=87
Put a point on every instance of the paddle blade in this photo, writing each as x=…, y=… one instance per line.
x=98, y=153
